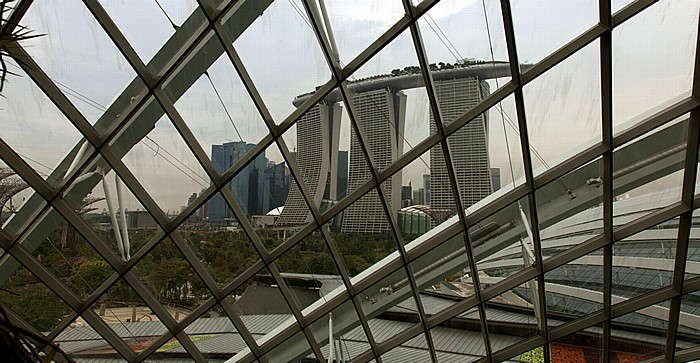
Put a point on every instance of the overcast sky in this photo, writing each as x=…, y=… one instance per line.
x=652, y=63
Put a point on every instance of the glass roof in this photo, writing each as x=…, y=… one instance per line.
x=324, y=180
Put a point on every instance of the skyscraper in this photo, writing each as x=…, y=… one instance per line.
x=318, y=133
x=468, y=146
x=247, y=186
x=381, y=114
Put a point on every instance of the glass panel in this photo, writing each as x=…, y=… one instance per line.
x=570, y=209
x=688, y=335
x=39, y=133
x=457, y=32
x=390, y=297
x=309, y=270
x=23, y=293
x=501, y=243
x=480, y=167
x=531, y=356
x=356, y=24
x=277, y=354
x=364, y=237
x=513, y=315
x=652, y=321
x=20, y=204
x=214, y=335
x=445, y=283
x=575, y=289
x=350, y=338
x=648, y=171
x=280, y=48
x=581, y=347
x=563, y=108
x=165, y=166
x=463, y=341
x=79, y=57
x=130, y=318
x=159, y=19
x=692, y=264
x=415, y=349
x=225, y=251
x=217, y=108
x=96, y=210
x=260, y=304
x=70, y=257
x=171, y=279
x=644, y=262
x=664, y=35
x=414, y=217
x=533, y=25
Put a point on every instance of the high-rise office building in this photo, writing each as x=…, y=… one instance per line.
x=468, y=146
x=276, y=186
x=247, y=186
x=381, y=115
x=318, y=133
x=425, y=194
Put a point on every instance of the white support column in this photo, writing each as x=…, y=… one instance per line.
x=122, y=214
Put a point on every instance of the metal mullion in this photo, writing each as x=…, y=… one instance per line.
x=292, y=241
x=319, y=218
x=238, y=212
x=247, y=158
x=537, y=244
x=243, y=74
x=181, y=126
x=120, y=41
x=400, y=338
x=640, y=302
x=655, y=120
x=199, y=202
x=196, y=265
x=364, y=322
x=348, y=200
x=57, y=97
x=246, y=275
x=190, y=348
x=147, y=296
x=26, y=172
x=649, y=220
x=145, y=249
x=583, y=157
x=69, y=215
x=483, y=106
x=338, y=260
x=298, y=178
x=606, y=85
x=109, y=335
x=333, y=64
x=302, y=324
x=136, y=188
x=519, y=348
x=630, y=11
x=241, y=328
x=441, y=130
x=509, y=283
x=196, y=313
x=574, y=326
x=452, y=311
x=157, y=344
x=685, y=220
x=41, y=272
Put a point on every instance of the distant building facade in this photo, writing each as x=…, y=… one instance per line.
x=381, y=114
x=247, y=187
x=468, y=146
x=318, y=135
